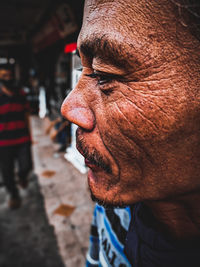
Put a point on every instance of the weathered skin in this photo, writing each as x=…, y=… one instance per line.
x=144, y=122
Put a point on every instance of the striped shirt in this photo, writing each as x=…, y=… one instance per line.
x=13, y=124
x=108, y=234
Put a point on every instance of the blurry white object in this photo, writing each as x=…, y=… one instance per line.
x=72, y=154
x=42, y=103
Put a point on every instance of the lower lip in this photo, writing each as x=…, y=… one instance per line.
x=91, y=175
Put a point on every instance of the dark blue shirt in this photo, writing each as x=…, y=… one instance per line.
x=146, y=246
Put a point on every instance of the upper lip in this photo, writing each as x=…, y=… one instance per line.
x=80, y=150
x=92, y=165
x=88, y=162
x=79, y=145
x=91, y=159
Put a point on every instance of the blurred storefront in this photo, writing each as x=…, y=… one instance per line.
x=38, y=38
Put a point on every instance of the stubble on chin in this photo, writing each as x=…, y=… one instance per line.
x=107, y=204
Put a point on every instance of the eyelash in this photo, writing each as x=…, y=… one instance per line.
x=103, y=79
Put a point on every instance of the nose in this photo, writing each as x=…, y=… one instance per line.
x=76, y=110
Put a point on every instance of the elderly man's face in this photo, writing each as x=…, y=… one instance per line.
x=137, y=101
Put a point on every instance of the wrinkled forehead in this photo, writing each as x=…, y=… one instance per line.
x=125, y=18
x=125, y=29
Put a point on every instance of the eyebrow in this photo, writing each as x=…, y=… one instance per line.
x=115, y=53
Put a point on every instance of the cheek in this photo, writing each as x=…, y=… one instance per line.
x=118, y=128
x=134, y=122
x=128, y=120
x=132, y=126
x=144, y=117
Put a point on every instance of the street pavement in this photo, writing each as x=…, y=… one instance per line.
x=51, y=228
x=26, y=237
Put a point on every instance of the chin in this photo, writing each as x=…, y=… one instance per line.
x=107, y=190
x=107, y=203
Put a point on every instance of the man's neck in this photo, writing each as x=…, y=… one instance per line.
x=6, y=91
x=180, y=217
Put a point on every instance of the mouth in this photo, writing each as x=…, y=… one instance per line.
x=93, y=158
x=89, y=161
x=92, y=166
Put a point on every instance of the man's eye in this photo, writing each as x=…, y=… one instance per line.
x=101, y=78
x=106, y=82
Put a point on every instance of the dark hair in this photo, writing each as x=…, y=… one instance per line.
x=189, y=15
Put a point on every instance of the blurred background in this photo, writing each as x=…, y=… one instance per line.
x=51, y=228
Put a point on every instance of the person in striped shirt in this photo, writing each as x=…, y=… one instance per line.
x=15, y=140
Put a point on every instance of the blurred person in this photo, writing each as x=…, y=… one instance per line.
x=107, y=237
x=15, y=141
x=137, y=107
x=60, y=132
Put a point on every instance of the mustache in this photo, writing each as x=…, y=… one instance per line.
x=94, y=157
